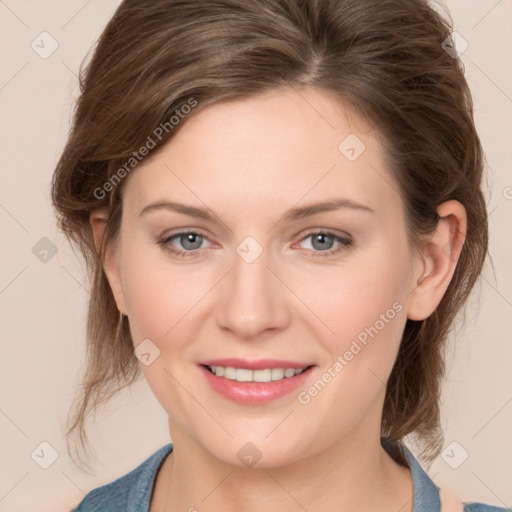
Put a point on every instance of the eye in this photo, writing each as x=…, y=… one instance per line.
x=323, y=241
x=191, y=242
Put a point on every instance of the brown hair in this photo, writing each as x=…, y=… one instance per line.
x=384, y=58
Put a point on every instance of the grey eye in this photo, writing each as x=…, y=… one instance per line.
x=190, y=241
x=320, y=241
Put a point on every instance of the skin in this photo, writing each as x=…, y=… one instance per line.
x=248, y=161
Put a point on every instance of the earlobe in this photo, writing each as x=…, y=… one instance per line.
x=98, y=221
x=439, y=257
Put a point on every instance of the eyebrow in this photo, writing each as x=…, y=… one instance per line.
x=292, y=214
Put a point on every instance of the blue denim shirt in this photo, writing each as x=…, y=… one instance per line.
x=132, y=492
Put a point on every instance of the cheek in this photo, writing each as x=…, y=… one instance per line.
x=364, y=308
x=356, y=298
x=162, y=302
x=159, y=295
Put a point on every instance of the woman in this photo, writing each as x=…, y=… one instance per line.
x=279, y=203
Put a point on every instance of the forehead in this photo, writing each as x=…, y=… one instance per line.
x=269, y=151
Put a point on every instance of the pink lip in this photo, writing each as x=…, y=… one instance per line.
x=260, y=364
x=254, y=393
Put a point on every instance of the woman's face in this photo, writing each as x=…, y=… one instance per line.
x=266, y=276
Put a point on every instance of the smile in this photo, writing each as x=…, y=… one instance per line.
x=246, y=375
x=255, y=386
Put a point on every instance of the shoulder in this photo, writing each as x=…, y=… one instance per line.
x=129, y=492
x=482, y=507
x=427, y=495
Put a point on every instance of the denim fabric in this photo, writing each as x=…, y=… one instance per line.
x=426, y=494
x=132, y=492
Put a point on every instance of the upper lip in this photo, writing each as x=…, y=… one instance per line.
x=259, y=364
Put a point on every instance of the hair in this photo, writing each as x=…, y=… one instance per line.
x=383, y=58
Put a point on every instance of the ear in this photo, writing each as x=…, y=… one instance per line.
x=438, y=260
x=111, y=264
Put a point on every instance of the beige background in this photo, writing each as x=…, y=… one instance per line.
x=43, y=304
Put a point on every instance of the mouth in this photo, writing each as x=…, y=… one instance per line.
x=253, y=383
x=248, y=375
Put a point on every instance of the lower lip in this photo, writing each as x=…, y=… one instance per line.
x=254, y=392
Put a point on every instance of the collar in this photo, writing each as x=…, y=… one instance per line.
x=426, y=494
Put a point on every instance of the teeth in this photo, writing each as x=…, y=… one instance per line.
x=277, y=373
x=245, y=375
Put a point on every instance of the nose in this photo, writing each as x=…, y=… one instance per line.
x=253, y=302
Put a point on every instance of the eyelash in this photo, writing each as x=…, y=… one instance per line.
x=344, y=243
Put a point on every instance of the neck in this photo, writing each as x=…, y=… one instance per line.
x=350, y=475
